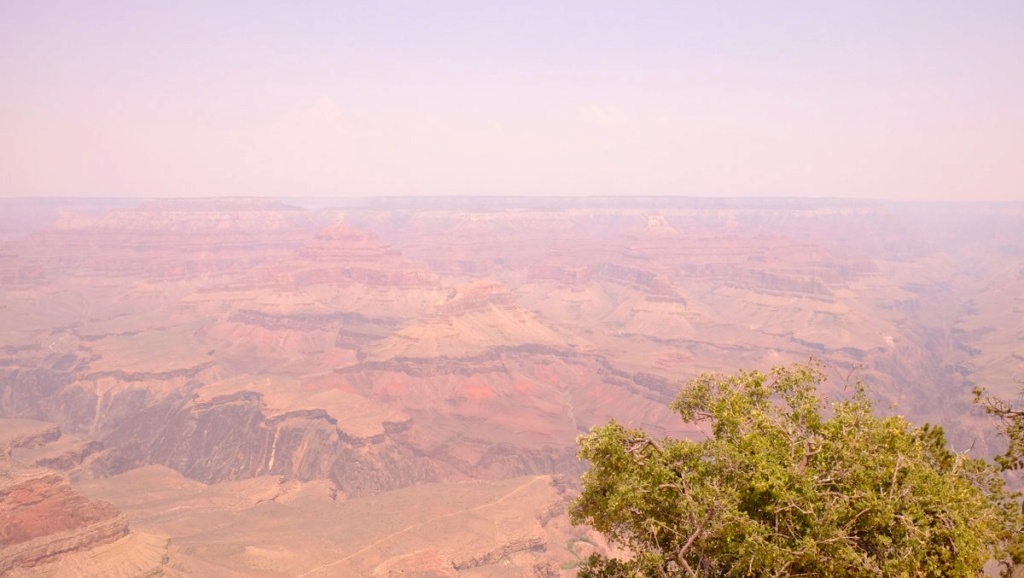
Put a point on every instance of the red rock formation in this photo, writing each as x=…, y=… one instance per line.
x=42, y=517
x=476, y=297
x=477, y=342
x=341, y=254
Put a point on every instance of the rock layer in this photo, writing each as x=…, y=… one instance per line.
x=42, y=517
x=400, y=342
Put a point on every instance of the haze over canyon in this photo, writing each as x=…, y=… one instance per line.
x=394, y=386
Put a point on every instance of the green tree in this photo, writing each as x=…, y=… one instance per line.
x=780, y=488
x=1011, y=425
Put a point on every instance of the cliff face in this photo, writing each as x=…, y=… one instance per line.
x=169, y=239
x=41, y=516
x=231, y=438
x=505, y=412
x=231, y=340
x=343, y=255
x=26, y=433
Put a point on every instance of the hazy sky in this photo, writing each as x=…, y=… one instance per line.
x=884, y=99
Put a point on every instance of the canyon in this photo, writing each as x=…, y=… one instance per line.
x=393, y=386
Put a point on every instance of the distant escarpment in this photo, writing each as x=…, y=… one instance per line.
x=503, y=358
x=306, y=321
x=169, y=239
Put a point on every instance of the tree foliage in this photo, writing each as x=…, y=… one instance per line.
x=1011, y=425
x=781, y=488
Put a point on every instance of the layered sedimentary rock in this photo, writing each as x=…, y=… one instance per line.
x=400, y=342
x=42, y=518
x=167, y=239
x=341, y=254
x=133, y=556
x=26, y=433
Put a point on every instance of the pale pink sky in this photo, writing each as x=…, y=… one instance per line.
x=897, y=100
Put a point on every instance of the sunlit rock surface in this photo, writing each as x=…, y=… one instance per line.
x=358, y=354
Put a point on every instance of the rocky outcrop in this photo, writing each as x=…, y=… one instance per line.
x=231, y=437
x=71, y=457
x=43, y=517
x=306, y=321
x=133, y=556
x=476, y=297
x=16, y=434
x=342, y=254
x=503, y=552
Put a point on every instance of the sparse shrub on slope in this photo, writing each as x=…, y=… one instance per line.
x=1011, y=426
x=783, y=488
